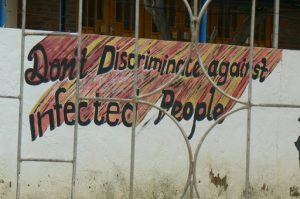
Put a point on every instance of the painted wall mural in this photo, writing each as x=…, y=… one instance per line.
x=106, y=70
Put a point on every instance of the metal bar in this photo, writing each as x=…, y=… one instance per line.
x=46, y=33
x=195, y=40
x=77, y=100
x=45, y=160
x=187, y=5
x=192, y=180
x=276, y=23
x=195, y=179
x=189, y=9
x=195, y=8
x=188, y=144
x=203, y=10
x=21, y=92
x=266, y=105
x=9, y=97
x=252, y=30
x=201, y=13
x=194, y=27
x=21, y=99
x=171, y=80
x=213, y=83
x=135, y=88
x=197, y=151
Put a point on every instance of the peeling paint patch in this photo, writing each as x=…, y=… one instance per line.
x=115, y=185
x=5, y=187
x=265, y=188
x=295, y=191
x=158, y=188
x=217, y=180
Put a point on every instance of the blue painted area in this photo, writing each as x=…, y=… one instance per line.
x=2, y=13
x=203, y=26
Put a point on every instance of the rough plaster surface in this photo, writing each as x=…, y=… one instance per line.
x=161, y=155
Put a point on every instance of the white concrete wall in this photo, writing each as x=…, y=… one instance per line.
x=161, y=154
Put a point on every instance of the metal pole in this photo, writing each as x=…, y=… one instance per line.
x=276, y=23
x=195, y=30
x=203, y=25
x=3, y=13
x=77, y=100
x=135, y=97
x=247, y=180
x=21, y=98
